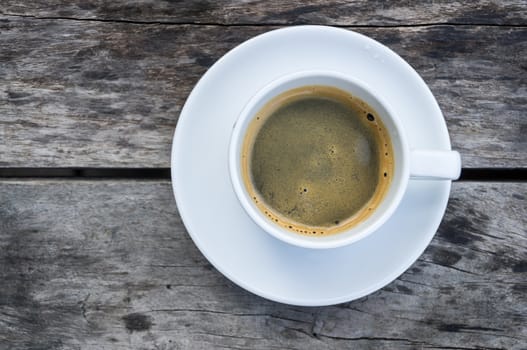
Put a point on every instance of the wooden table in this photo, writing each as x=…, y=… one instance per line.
x=93, y=254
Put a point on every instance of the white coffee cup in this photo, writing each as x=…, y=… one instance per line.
x=409, y=164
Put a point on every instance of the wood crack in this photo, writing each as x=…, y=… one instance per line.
x=176, y=266
x=418, y=283
x=264, y=24
x=230, y=336
x=460, y=348
x=230, y=313
x=372, y=339
x=450, y=267
x=83, y=307
x=299, y=330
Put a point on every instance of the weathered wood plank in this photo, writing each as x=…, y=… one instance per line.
x=77, y=93
x=334, y=12
x=108, y=264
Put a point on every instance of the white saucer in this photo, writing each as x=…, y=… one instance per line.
x=224, y=232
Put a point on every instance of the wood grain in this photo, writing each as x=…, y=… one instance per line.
x=104, y=94
x=104, y=264
x=340, y=12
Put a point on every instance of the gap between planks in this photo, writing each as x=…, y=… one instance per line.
x=467, y=174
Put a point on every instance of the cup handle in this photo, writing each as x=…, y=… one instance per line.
x=435, y=165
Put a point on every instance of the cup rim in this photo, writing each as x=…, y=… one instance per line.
x=339, y=239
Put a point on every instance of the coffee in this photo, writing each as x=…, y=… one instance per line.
x=317, y=160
